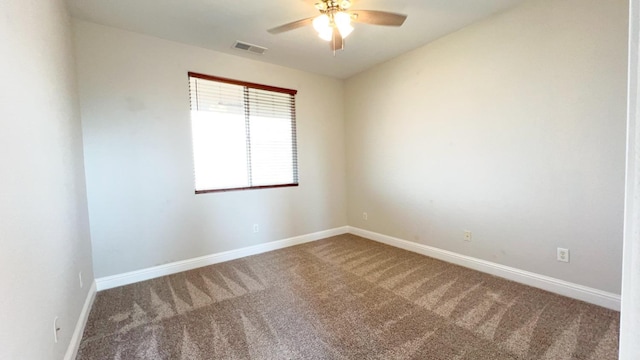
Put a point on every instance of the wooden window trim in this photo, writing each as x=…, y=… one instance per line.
x=246, y=188
x=244, y=83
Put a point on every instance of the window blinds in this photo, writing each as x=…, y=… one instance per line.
x=244, y=134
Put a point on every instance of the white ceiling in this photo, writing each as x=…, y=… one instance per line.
x=217, y=24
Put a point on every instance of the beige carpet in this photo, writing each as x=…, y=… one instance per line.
x=343, y=298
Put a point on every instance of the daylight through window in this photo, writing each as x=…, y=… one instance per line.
x=244, y=134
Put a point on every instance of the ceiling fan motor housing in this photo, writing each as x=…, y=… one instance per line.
x=332, y=6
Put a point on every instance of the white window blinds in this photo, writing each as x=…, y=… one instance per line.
x=244, y=134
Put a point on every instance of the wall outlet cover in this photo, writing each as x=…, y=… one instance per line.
x=563, y=255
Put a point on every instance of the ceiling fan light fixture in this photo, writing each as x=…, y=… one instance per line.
x=322, y=23
x=343, y=23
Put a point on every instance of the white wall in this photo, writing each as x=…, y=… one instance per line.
x=44, y=227
x=630, y=312
x=137, y=142
x=512, y=128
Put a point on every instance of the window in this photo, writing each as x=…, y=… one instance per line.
x=244, y=134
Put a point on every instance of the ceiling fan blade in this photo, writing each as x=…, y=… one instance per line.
x=337, y=43
x=291, y=26
x=377, y=17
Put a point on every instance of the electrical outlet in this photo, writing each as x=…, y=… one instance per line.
x=80, y=278
x=563, y=255
x=365, y=216
x=56, y=328
x=467, y=235
x=256, y=228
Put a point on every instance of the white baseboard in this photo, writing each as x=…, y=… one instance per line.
x=565, y=288
x=109, y=282
x=74, y=344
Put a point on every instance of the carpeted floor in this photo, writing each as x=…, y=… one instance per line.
x=343, y=298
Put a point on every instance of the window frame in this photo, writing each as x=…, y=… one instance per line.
x=294, y=139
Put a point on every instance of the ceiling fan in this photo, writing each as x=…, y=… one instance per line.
x=334, y=22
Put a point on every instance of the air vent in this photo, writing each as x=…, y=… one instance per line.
x=259, y=50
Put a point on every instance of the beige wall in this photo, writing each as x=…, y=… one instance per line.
x=135, y=114
x=44, y=227
x=512, y=128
